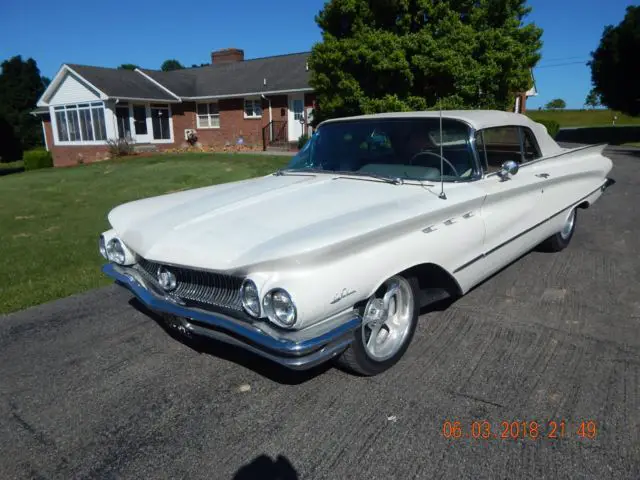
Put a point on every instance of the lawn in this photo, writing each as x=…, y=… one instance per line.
x=583, y=118
x=50, y=219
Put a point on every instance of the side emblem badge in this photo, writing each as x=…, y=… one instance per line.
x=343, y=294
x=166, y=279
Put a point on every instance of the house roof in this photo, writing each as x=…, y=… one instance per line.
x=281, y=73
x=121, y=83
x=269, y=74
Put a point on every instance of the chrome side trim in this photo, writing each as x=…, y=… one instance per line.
x=288, y=349
x=503, y=244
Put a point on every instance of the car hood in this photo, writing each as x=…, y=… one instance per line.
x=235, y=226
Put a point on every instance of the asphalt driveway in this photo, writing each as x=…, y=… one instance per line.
x=91, y=387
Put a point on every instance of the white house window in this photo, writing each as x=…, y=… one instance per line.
x=80, y=123
x=252, y=108
x=208, y=115
x=160, y=116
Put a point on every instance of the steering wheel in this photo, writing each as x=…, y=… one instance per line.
x=438, y=156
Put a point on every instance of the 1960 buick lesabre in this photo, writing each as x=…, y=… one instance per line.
x=378, y=216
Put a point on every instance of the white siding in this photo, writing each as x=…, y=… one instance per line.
x=72, y=90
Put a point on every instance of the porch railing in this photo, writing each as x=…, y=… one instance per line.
x=275, y=134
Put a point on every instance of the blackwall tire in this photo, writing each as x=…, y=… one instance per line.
x=561, y=240
x=380, y=343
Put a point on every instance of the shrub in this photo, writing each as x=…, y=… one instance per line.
x=119, y=147
x=37, y=158
x=552, y=126
x=302, y=141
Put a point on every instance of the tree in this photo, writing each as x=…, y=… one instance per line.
x=169, y=65
x=593, y=99
x=556, y=104
x=193, y=65
x=614, y=65
x=21, y=85
x=128, y=66
x=416, y=54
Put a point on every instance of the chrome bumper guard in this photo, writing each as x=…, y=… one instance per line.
x=298, y=350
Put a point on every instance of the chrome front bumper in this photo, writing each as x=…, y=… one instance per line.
x=298, y=350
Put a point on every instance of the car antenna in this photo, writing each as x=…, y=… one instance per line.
x=442, y=194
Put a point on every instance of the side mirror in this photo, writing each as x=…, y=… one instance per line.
x=508, y=169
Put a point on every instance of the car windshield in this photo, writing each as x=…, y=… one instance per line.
x=407, y=149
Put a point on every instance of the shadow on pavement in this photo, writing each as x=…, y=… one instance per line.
x=264, y=468
x=234, y=354
x=594, y=135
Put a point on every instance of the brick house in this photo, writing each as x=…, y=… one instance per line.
x=259, y=102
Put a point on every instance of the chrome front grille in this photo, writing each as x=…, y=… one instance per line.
x=203, y=287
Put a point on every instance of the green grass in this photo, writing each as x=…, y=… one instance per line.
x=50, y=219
x=583, y=118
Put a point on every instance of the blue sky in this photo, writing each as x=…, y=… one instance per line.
x=147, y=33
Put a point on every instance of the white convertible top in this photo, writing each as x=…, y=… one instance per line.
x=477, y=119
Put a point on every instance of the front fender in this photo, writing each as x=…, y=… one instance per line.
x=328, y=288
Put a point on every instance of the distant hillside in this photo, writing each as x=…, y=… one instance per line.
x=582, y=118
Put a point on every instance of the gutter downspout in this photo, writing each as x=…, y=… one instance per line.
x=44, y=133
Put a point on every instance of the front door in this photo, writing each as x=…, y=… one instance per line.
x=296, y=117
x=512, y=210
x=141, y=133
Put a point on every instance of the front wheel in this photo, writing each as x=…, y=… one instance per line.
x=389, y=320
x=561, y=240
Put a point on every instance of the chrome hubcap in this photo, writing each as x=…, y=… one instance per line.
x=568, y=226
x=387, y=319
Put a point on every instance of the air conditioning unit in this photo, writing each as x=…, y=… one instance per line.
x=189, y=132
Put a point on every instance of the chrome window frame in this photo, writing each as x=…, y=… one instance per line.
x=521, y=142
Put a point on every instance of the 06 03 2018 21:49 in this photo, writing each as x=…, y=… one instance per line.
x=518, y=429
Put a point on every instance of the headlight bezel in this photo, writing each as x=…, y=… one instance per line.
x=102, y=246
x=272, y=311
x=250, y=285
x=115, y=251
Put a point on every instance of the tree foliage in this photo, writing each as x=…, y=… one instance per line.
x=21, y=85
x=593, y=99
x=393, y=55
x=614, y=65
x=556, y=104
x=128, y=66
x=169, y=65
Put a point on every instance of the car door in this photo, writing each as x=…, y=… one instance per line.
x=511, y=209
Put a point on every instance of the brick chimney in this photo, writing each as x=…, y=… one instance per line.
x=227, y=55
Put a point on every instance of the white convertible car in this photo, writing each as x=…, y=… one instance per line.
x=334, y=256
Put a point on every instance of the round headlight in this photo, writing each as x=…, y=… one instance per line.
x=250, y=298
x=280, y=308
x=102, y=246
x=115, y=251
